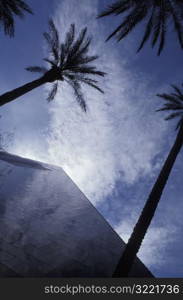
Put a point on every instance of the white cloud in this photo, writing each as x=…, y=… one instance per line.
x=117, y=138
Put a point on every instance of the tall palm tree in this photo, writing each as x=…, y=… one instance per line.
x=9, y=8
x=69, y=62
x=174, y=103
x=156, y=12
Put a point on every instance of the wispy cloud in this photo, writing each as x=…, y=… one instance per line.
x=117, y=138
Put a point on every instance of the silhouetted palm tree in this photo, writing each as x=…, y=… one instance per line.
x=69, y=61
x=174, y=103
x=157, y=12
x=9, y=8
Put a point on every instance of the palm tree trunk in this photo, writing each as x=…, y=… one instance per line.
x=16, y=93
x=127, y=259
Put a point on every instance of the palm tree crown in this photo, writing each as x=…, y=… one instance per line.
x=9, y=8
x=174, y=102
x=69, y=62
x=157, y=13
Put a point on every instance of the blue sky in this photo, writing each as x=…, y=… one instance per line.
x=115, y=151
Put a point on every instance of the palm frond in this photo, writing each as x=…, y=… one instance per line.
x=131, y=21
x=162, y=37
x=69, y=38
x=148, y=30
x=78, y=93
x=78, y=61
x=178, y=24
x=52, y=92
x=78, y=43
x=156, y=27
x=174, y=103
x=116, y=8
x=86, y=59
x=136, y=16
x=18, y=7
x=92, y=83
x=21, y=5
x=169, y=97
x=174, y=115
x=52, y=39
x=9, y=9
x=164, y=13
x=37, y=69
x=50, y=61
x=157, y=14
x=85, y=80
x=177, y=90
x=84, y=48
x=169, y=107
x=54, y=34
x=48, y=39
x=65, y=48
x=77, y=57
x=87, y=70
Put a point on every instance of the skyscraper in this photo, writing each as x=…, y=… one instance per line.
x=49, y=228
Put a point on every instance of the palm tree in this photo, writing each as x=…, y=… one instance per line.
x=174, y=103
x=69, y=62
x=9, y=8
x=156, y=12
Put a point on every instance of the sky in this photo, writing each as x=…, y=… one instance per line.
x=115, y=151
